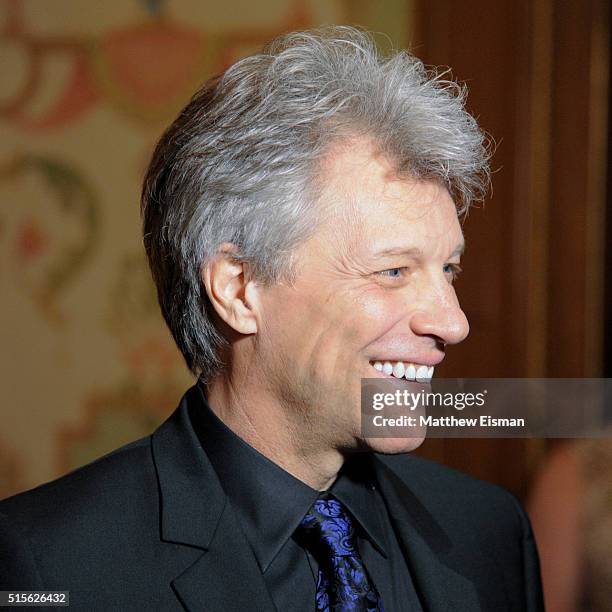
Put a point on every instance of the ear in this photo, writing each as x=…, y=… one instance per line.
x=230, y=289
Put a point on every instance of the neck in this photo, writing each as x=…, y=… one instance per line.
x=268, y=427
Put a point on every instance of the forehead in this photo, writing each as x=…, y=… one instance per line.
x=367, y=204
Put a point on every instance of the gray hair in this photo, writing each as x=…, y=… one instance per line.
x=240, y=163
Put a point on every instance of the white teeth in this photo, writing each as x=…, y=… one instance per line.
x=409, y=371
x=422, y=374
x=399, y=369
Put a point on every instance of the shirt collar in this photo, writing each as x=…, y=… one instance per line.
x=269, y=501
x=355, y=487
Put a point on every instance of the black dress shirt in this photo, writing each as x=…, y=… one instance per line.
x=270, y=504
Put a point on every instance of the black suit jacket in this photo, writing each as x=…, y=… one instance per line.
x=148, y=527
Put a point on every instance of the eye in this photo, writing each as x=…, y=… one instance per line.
x=452, y=271
x=394, y=273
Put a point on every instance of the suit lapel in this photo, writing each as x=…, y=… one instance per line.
x=226, y=576
x=195, y=513
x=427, y=548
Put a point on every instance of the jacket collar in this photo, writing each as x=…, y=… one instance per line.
x=194, y=512
x=433, y=559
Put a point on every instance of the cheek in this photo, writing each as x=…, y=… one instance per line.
x=317, y=331
x=378, y=311
x=297, y=326
x=354, y=319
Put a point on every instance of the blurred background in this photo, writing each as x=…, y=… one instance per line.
x=87, y=87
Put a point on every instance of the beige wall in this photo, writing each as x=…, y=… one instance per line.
x=85, y=89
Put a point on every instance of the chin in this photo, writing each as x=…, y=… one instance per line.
x=391, y=446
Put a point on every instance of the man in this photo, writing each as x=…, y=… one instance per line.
x=301, y=223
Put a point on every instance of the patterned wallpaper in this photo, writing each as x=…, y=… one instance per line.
x=86, y=87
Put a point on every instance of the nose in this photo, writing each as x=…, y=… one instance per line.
x=441, y=317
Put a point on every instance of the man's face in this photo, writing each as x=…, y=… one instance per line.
x=374, y=285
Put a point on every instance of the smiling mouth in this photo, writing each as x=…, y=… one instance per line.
x=405, y=370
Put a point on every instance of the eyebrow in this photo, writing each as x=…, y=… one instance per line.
x=399, y=251
x=415, y=252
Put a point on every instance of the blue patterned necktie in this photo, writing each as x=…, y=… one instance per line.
x=343, y=584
